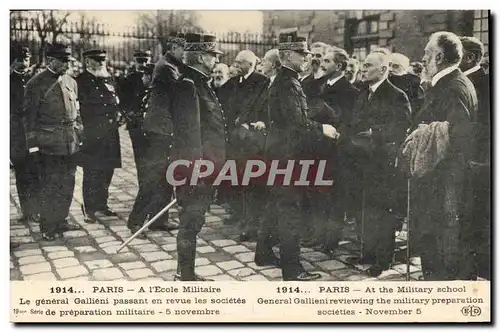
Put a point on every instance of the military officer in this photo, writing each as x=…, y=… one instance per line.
x=53, y=130
x=132, y=91
x=289, y=130
x=26, y=174
x=155, y=192
x=200, y=133
x=100, y=154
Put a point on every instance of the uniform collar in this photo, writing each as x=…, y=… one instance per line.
x=442, y=74
x=201, y=74
x=289, y=71
x=472, y=70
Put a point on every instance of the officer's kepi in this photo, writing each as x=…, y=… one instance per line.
x=95, y=54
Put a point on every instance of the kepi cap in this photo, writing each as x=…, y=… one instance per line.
x=292, y=42
x=96, y=54
x=142, y=54
x=59, y=51
x=201, y=43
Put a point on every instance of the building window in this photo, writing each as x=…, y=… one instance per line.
x=481, y=27
x=361, y=36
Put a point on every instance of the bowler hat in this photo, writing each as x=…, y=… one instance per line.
x=291, y=42
x=201, y=43
x=95, y=54
x=59, y=51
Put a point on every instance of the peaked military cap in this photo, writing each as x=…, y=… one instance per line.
x=19, y=53
x=24, y=53
x=201, y=42
x=177, y=37
x=292, y=42
x=95, y=54
x=142, y=54
x=59, y=51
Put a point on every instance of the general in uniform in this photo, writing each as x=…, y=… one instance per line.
x=100, y=153
x=53, y=129
x=25, y=171
x=200, y=133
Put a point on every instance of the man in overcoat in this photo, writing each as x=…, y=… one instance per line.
x=381, y=116
x=53, y=131
x=100, y=155
x=200, y=133
x=441, y=212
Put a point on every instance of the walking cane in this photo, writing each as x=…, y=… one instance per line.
x=408, y=234
x=158, y=215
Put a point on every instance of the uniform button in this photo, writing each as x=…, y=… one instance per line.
x=105, y=104
x=102, y=95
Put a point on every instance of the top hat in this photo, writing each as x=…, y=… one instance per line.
x=177, y=37
x=95, y=54
x=59, y=51
x=292, y=42
x=142, y=54
x=201, y=43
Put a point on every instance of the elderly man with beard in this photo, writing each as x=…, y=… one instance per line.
x=442, y=203
x=289, y=131
x=312, y=79
x=53, y=131
x=220, y=75
x=155, y=192
x=480, y=164
x=381, y=116
x=333, y=106
x=200, y=133
x=238, y=96
x=100, y=153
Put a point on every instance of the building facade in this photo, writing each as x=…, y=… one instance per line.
x=359, y=31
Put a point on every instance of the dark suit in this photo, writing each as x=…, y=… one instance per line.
x=289, y=131
x=238, y=97
x=53, y=124
x=482, y=174
x=25, y=171
x=442, y=203
x=100, y=153
x=387, y=114
x=155, y=192
x=200, y=132
x=333, y=105
x=410, y=84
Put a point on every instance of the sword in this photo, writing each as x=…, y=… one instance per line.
x=158, y=215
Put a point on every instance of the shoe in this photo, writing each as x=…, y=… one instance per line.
x=164, y=227
x=66, y=227
x=90, y=217
x=268, y=262
x=247, y=236
x=108, y=212
x=178, y=277
x=306, y=276
x=375, y=271
x=49, y=236
x=134, y=229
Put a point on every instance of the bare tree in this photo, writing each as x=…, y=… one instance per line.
x=162, y=22
x=49, y=23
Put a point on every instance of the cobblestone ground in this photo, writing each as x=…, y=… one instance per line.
x=90, y=253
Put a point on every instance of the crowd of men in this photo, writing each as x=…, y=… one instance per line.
x=390, y=132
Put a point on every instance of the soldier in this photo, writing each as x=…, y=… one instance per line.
x=26, y=173
x=53, y=129
x=200, y=133
x=289, y=131
x=132, y=92
x=480, y=164
x=237, y=97
x=100, y=153
x=155, y=192
x=381, y=117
